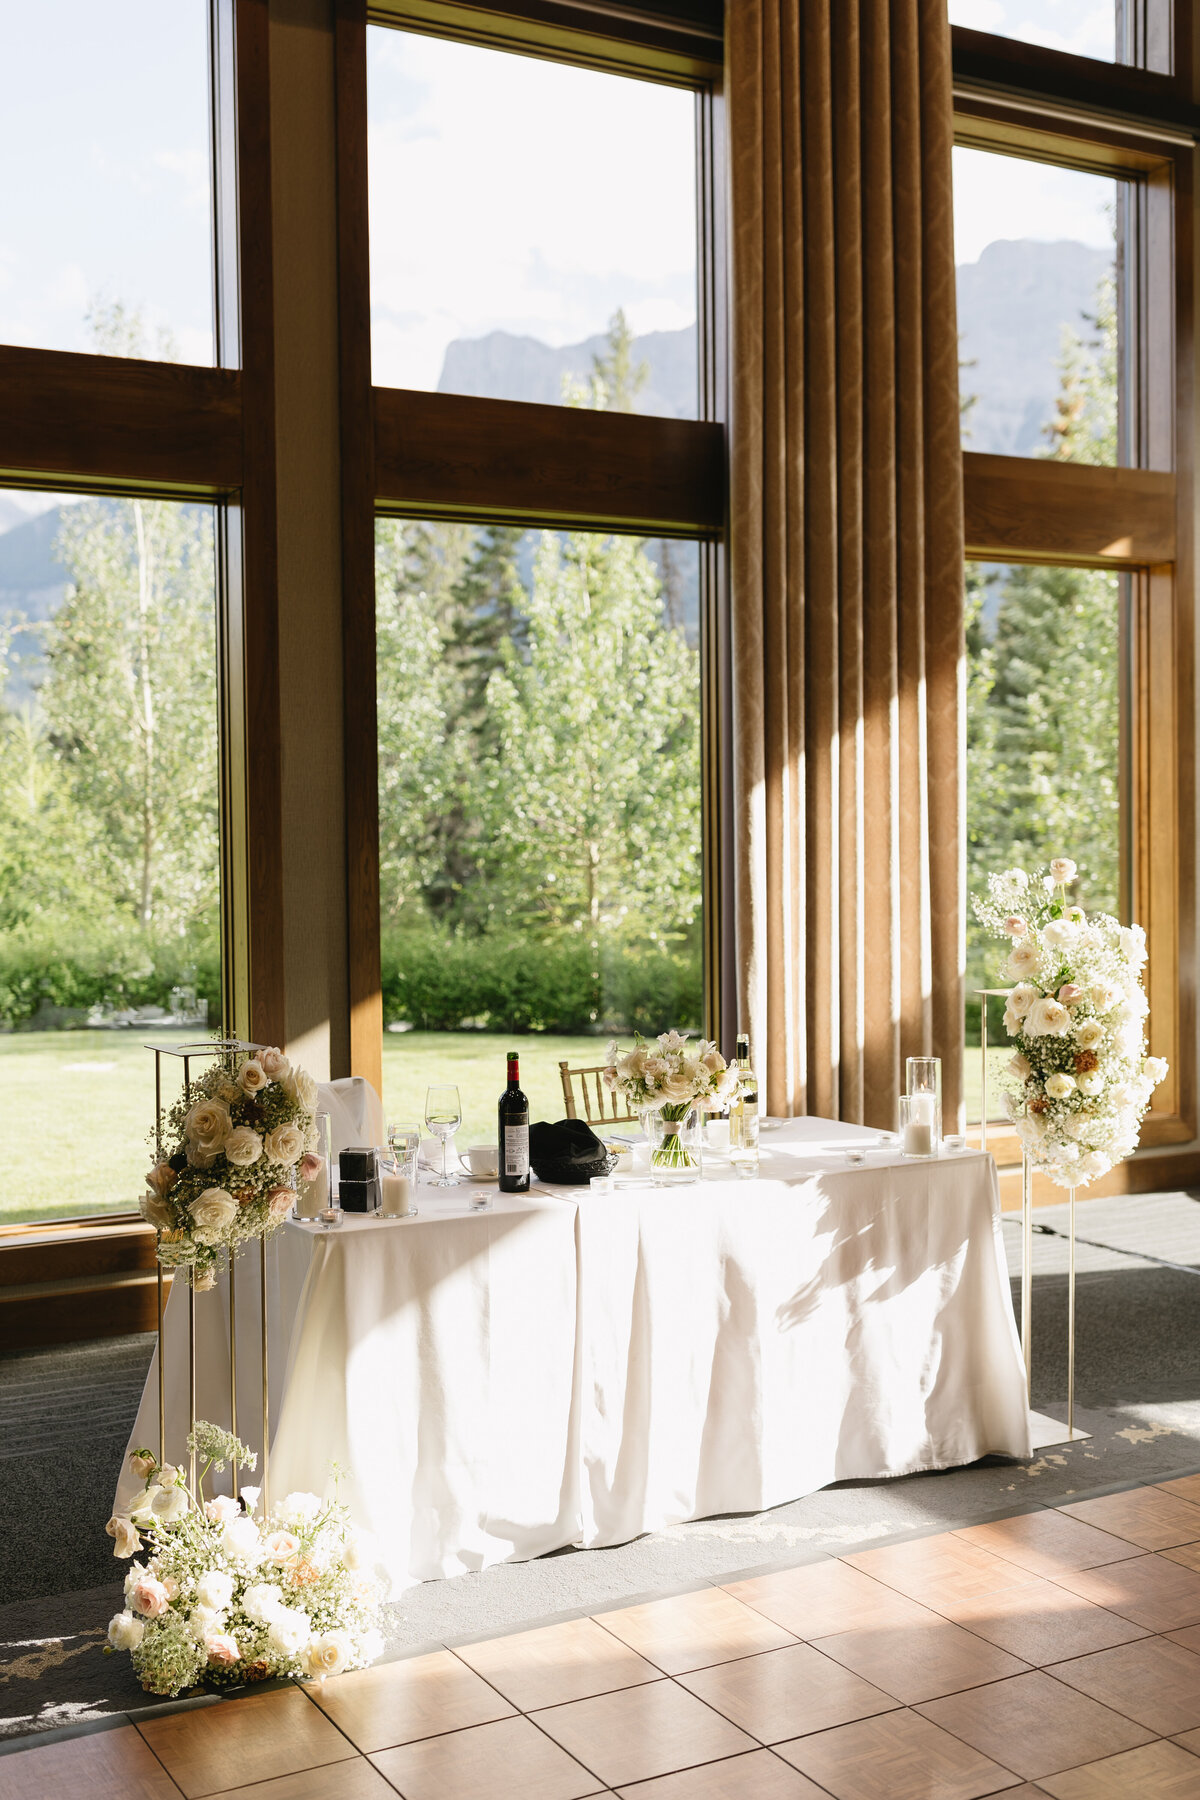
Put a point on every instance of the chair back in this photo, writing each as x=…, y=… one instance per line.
x=600, y=1105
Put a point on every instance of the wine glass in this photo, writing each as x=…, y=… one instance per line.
x=443, y=1115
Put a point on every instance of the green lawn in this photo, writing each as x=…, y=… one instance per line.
x=78, y=1105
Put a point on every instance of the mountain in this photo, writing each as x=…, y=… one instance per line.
x=31, y=586
x=1012, y=306
x=502, y=366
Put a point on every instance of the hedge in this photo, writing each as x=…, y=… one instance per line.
x=439, y=982
x=72, y=970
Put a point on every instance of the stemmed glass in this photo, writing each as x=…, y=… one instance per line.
x=443, y=1115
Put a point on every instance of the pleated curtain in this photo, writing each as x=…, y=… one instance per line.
x=846, y=551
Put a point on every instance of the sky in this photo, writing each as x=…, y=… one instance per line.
x=1084, y=27
x=510, y=193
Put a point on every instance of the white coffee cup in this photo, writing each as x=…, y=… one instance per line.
x=484, y=1159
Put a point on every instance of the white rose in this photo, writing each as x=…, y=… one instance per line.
x=352, y=1553
x=328, y=1655
x=213, y=1212
x=1155, y=1069
x=261, y=1602
x=243, y=1146
x=221, y=1509
x=168, y=1504
x=1021, y=999
x=1046, y=1018
x=156, y=1212
x=1063, y=869
x=214, y=1590
x=252, y=1078
x=1059, y=1085
x=289, y=1632
x=1092, y=1083
x=299, y=1085
x=1059, y=933
x=208, y=1124
x=1016, y=878
x=1089, y=1033
x=123, y=1532
x=1133, y=944
x=298, y=1508
x=124, y=1631
x=284, y=1145
x=1104, y=996
x=203, y=1620
x=1023, y=959
x=250, y=1497
x=1128, y=1094
x=1019, y=1066
x=240, y=1541
x=274, y=1063
x=1093, y=1165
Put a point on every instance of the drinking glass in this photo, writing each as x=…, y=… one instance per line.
x=443, y=1115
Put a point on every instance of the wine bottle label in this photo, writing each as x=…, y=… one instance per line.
x=516, y=1149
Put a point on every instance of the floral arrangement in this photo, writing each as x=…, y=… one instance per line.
x=224, y=1599
x=245, y=1134
x=1081, y=1077
x=672, y=1078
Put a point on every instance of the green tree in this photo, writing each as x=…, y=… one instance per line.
x=592, y=815
x=1084, y=426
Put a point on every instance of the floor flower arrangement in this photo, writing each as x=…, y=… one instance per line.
x=225, y=1598
x=1080, y=1078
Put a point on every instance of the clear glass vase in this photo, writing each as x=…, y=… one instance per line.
x=675, y=1135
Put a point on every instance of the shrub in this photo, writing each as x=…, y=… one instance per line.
x=439, y=981
x=69, y=969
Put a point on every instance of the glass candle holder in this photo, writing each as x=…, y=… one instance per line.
x=920, y=1125
x=313, y=1197
x=924, y=1076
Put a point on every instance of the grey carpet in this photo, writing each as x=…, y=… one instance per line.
x=65, y=1415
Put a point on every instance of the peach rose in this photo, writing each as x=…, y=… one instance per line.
x=274, y=1063
x=161, y=1179
x=310, y=1167
x=281, y=1546
x=149, y=1597
x=1069, y=993
x=221, y=1648
x=223, y=1508
x=280, y=1200
x=252, y=1077
x=123, y=1532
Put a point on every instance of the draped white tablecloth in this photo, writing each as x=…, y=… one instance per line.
x=576, y=1369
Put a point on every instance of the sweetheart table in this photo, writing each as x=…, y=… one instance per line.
x=577, y=1368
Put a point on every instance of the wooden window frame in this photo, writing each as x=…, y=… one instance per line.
x=1135, y=519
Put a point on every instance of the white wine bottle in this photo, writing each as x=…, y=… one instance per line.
x=743, y=1113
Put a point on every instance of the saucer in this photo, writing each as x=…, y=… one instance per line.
x=469, y=1177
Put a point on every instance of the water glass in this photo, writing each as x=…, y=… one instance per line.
x=443, y=1116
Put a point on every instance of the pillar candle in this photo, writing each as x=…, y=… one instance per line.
x=398, y=1195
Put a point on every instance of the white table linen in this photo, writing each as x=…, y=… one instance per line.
x=571, y=1368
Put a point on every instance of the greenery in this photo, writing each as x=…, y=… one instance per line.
x=1043, y=684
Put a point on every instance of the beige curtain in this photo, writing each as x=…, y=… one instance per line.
x=846, y=550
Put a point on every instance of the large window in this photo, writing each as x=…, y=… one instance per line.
x=106, y=216
x=539, y=803
x=523, y=215
x=1083, y=27
x=109, y=854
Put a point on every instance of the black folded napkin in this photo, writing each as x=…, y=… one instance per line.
x=569, y=1152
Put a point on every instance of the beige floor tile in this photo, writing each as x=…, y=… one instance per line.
x=641, y=1732
x=689, y=1631
x=818, y=1599
x=1047, y=1542
x=1150, y=1590
x=1044, y=1622
x=1146, y=1516
x=508, y=1760
x=1187, y=1487
x=757, y=1776
x=1035, y=1723
x=557, y=1663
x=921, y=1662
x=1159, y=1772
x=420, y=1696
x=786, y=1693
x=355, y=1780
x=935, y=1569
x=1153, y=1681
x=247, y=1739
x=1189, y=1637
x=897, y=1756
x=1187, y=1555
x=104, y=1765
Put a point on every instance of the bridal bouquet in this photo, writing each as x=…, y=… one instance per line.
x=671, y=1078
x=244, y=1135
x=1081, y=1079
x=224, y=1599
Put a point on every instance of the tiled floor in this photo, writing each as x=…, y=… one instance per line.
x=1053, y=1653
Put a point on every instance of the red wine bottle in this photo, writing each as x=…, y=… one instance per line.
x=514, y=1132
